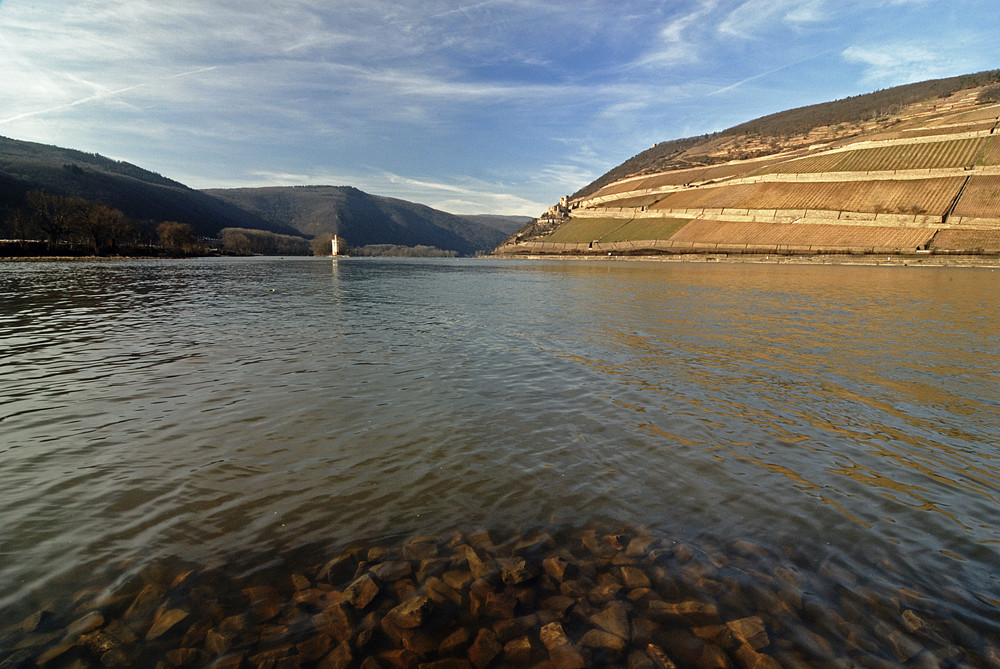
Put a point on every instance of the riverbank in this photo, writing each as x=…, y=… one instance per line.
x=928, y=260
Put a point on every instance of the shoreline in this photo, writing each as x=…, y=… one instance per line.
x=957, y=260
x=971, y=261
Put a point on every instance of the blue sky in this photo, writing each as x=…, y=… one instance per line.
x=472, y=107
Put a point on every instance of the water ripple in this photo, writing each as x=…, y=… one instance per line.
x=182, y=408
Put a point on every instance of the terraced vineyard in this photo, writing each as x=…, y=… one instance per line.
x=918, y=196
x=980, y=198
x=831, y=236
x=915, y=156
x=917, y=133
x=927, y=182
x=975, y=241
x=585, y=230
x=646, y=228
x=582, y=230
x=682, y=177
x=991, y=156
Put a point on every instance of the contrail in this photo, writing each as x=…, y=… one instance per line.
x=102, y=96
x=769, y=73
x=199, y=70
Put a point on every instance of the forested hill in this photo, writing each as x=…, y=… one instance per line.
x=301, y=211
x=365, y=219
x=139, y=194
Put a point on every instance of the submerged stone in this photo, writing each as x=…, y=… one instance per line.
x=751, y=631
x=411, y=613
x=518, y=651
x=91, y=621
x=597, y=598
x=692, y=612
x=456, y=642
x=600, y=639
x=614, y=620
x=362, y=591
x=484, y=648
x=164, y=621
x=340, y=658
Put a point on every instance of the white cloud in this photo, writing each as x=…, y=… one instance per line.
x=756, y=16
x=894, y=64
x=676, y=45
x=464, y=196
x=459, y=196
x=208, y=91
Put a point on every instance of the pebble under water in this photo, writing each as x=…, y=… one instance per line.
x=541, y=597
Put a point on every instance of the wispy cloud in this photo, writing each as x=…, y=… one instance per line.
x=459, y=195
x=892, y=64
x=678, y=42
x=464, y=196
x=755, y=16
x=528, y=97
x=101, y=93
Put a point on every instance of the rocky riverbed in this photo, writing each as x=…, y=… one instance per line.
x=548, y=598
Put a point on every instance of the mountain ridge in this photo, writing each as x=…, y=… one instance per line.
x=364, y=219
x=143, y=195
x=138, y=193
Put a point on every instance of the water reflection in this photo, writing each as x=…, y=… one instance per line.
x=881, y=378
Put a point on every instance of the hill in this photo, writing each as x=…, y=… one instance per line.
x=505, y=224
x=302, y=212
x=140, y=194
x=909, y=170
x=364, y=219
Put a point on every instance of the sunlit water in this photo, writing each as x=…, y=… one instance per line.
x=844, y=419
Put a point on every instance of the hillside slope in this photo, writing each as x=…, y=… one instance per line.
x=299, y=211
x=364, y=219
x=138, y=193
x=847, y=177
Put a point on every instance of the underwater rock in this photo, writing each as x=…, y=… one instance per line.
x=591, y=597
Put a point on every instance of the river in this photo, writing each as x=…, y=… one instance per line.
x=839, y=424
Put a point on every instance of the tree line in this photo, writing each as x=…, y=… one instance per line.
x=249, y=242
x=55, y=225
x=50, y=224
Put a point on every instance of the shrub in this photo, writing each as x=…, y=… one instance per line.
x=989, y=95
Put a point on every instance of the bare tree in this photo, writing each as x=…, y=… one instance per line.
x=20, y=225
x=321, y=244
x=102, y=226
x=235, y=242
x=178, y=238
x=54, y=214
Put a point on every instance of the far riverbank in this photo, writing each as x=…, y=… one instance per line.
x=980, y=261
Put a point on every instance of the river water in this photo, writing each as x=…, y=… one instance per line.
x=844, y=422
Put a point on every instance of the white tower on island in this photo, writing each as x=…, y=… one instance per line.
x=335, y=245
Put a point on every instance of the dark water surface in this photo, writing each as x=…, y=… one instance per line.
x=844, y=422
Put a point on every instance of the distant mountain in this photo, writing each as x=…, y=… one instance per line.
x=505, y=224
x=140, y=194
x=303, y=211
x=364, y=219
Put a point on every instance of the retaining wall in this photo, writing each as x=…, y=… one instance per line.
x=803, y=216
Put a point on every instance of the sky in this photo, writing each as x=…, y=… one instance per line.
x=497, y=107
